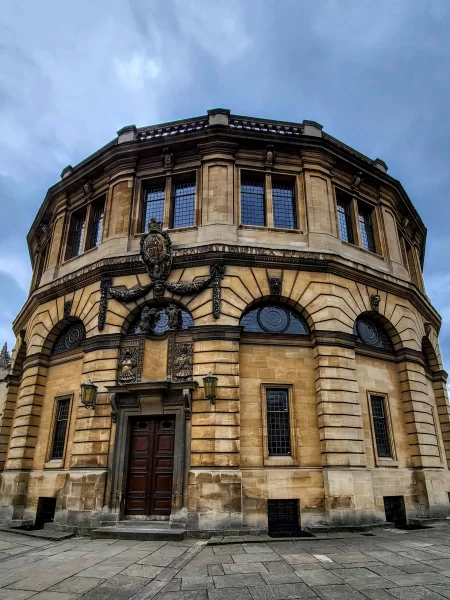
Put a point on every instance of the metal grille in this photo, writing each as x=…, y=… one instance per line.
x=371, y=333
x=345, y=220
x=283, y=517
x=365, y=224
x=97, y=225
x=380, y=426
x=153, y=205
x=283, y=206
x=60, y=429
x=76, y=242
x=274, y=319
x=252, y=203
x=278, y=434
x=183, y=204
x=69, y=339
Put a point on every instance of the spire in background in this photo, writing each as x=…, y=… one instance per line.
x=5, y=358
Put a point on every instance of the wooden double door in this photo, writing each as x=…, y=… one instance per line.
x=150, y=467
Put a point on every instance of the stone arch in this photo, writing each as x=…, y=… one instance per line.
x=384, y=324
x=57, y=330
x=281, y=301
x=430, y=355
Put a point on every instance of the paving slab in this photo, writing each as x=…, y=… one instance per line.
x=415, y=593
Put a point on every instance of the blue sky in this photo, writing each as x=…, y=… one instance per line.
x=375, y=74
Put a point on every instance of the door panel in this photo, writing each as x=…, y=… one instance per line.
x=150, y=471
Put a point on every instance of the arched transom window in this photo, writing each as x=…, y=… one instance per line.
x=372, y=333
x=70, y=338
x=157, y=320
x=271, y=318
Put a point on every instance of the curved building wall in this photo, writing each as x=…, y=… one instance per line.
x=350, y=248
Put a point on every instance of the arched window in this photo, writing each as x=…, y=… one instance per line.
x=155, y=321
x=70, y=338
x=271, y=318
x=371, y=333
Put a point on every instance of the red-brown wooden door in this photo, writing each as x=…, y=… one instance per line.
x=150, y=471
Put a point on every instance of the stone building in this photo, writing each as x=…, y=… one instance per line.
x=276, y=258
x=5, y=364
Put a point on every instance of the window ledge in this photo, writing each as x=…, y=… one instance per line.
x=386, y=462
x=275, y=229
x=363, y=250
x=280, y=461
x=54, y=464
x=65, y=262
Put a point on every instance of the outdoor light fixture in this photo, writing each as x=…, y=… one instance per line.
x=210, y=383
x=89, y=394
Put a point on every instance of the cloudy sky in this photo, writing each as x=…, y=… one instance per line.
x=375, y=74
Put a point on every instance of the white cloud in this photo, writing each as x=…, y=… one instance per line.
x=135, y=71
x=18, y=269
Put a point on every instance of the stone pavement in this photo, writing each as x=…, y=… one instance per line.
x=384, y=565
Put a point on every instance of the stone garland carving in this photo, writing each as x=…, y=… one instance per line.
x=167, y=159
x=130, y=361
x=157, y=255
x=269, y=156
x=357, y=180
x=105, y=284
x=428, y=328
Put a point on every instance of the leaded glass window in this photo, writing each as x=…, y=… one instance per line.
x=59, y=436
x=344, y=218
x=278, y=430
x=77, y=235
x=366, y=227
x=252, y=203
x=372, y=333
x=380, y=427
x=153, y=205
x=283, y=205
x=183, y=204
x=274, y=319
x=97, y=225
x=69, y=339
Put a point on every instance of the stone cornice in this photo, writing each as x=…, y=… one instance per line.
x=230, y=254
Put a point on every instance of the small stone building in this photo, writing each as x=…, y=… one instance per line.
x=276, y=258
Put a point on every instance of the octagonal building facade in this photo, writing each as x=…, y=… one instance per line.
x=268, y=254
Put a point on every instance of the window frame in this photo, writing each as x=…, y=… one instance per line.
x=281, y=460
x=148, y=183
x=268, y=179
x=59, y=462
x=355, y=205
x=382, y=461
x=95, y=205
x=69, y=255
x=180, y=179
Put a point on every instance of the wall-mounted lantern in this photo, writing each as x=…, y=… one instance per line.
x=210, y=383
x=89, y=394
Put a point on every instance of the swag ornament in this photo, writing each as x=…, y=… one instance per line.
x=157, y=255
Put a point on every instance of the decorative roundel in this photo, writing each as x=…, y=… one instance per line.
x=368, y=332
x=273, y=319
x=70, y=338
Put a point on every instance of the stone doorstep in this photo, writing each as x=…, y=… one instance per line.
x=143, y=533
x=314, y=529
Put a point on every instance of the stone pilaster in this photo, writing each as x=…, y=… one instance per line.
x=348, y=484
x=443, y=408
x=215, y=485
x=420, y=423
x=24, y=432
